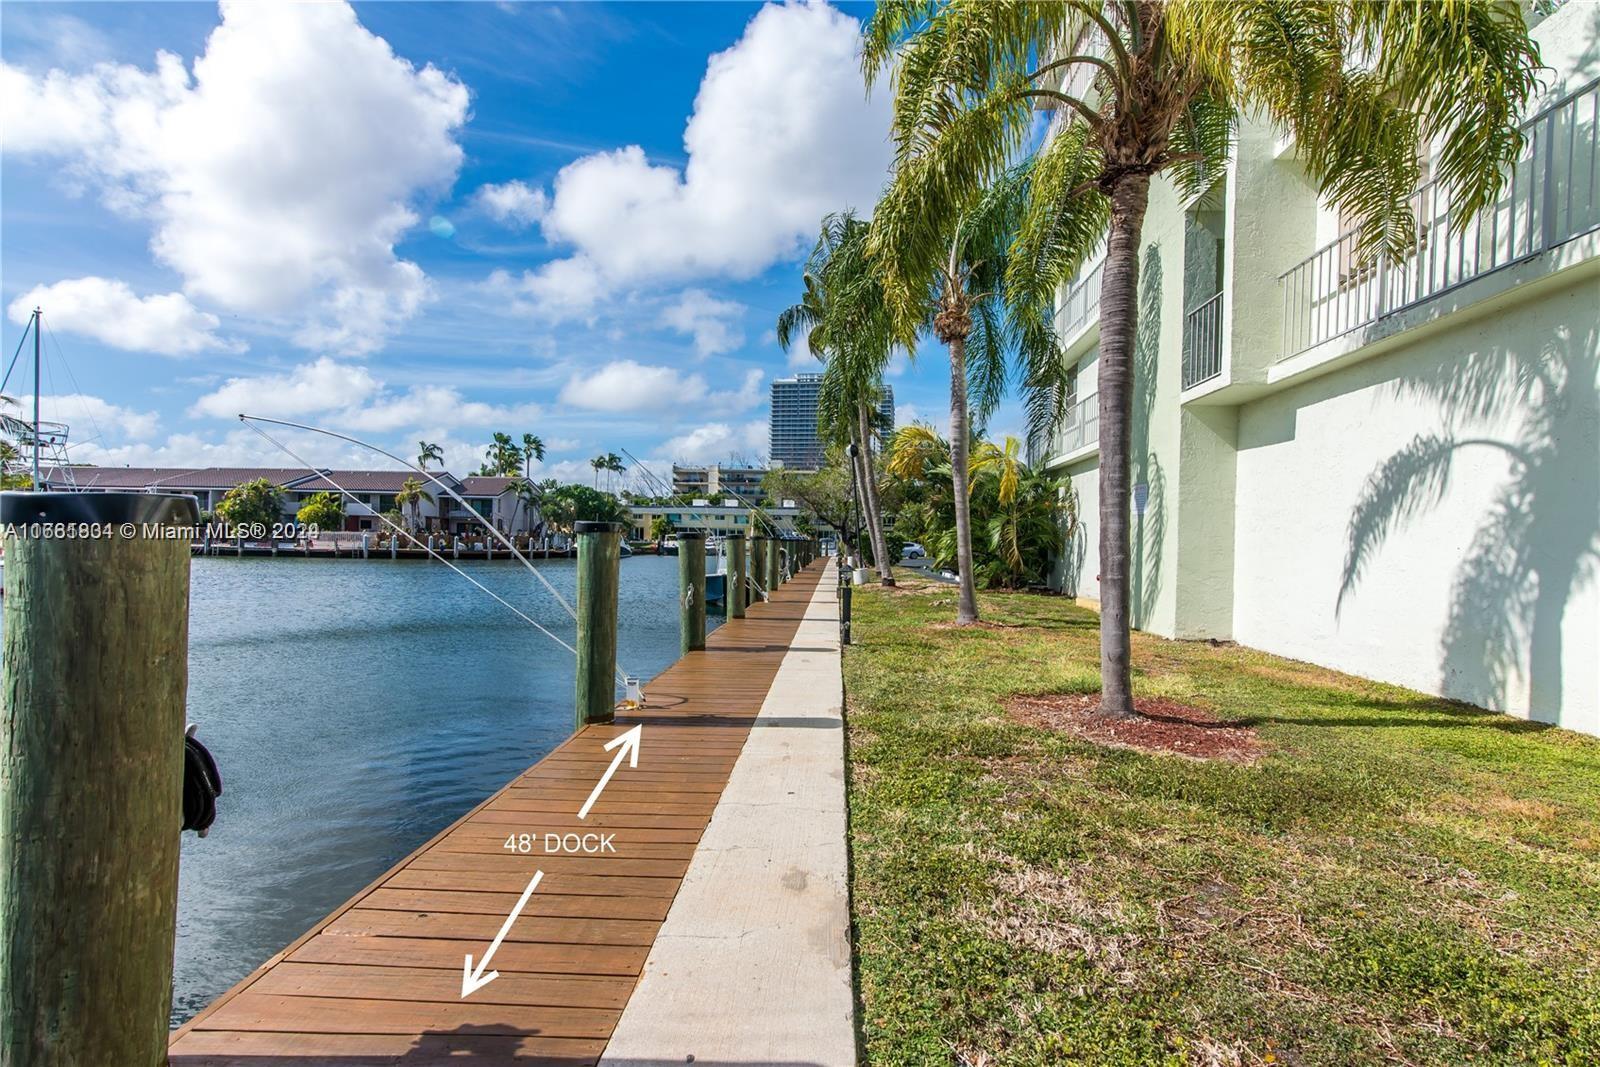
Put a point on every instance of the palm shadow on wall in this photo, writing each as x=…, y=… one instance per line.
x=1150, y=526
x=1539, y=542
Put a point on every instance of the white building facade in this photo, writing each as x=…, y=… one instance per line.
x=1393, y=469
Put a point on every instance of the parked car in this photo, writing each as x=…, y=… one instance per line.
x=912, y=550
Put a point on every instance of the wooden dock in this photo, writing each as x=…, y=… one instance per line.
x=379, y=980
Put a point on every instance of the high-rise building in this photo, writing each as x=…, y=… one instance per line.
x=792, y=433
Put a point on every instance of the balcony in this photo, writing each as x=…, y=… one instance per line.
x=1551, y=196
x=1202, y=343
x=1081, y=306
x=1082, y=426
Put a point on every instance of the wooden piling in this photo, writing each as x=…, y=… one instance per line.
x=93, y=681
x=758, y=567
x=692, y=591
x=774, y=568
x=599, y=561
x=734, y=588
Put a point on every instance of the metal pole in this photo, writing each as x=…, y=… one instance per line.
x=37, y=321
x=692, y=592
x=93, y=687
x=599, y=561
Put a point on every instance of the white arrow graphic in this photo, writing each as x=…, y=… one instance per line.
x=473, y=980
x=630, y=748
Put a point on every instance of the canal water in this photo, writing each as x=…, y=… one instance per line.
x=356, y=708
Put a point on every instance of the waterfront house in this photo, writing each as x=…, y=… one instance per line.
x=374, y=492
x=1389, y=469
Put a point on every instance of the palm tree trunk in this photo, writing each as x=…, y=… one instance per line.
x=1119, y=322
x=967, y=603
x=860, y=499
x=880, y=543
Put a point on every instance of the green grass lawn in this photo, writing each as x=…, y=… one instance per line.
x=1399, y=879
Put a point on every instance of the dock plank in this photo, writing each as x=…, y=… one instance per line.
x=379, y=980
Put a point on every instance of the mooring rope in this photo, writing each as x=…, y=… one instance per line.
x=249, y=421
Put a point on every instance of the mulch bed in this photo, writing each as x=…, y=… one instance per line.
x=1160, y=726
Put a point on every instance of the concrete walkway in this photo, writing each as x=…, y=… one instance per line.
x=752, y=965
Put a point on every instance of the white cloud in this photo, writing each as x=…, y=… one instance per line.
x=781, y=134
x=710, y=321
x=325, y=385
x=626, y=385
x=95, y=419
x=349, y=397
x=278, y=176
x=110, y=312
x=800, y=358
x=562, y=289
x=515, y=203
x=715, y=442
x=238, y=448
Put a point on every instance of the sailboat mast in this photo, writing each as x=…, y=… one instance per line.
x=37, y=484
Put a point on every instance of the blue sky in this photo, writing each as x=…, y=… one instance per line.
x=425, y=221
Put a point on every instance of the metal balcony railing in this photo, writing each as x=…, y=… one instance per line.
x=1551, y=195
x=1082, y=426
x=1202, y=342
x=1081, y=305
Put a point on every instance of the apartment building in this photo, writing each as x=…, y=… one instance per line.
x=724, y=516
x=1388, y=469
x=792, y=439
x=717, y=480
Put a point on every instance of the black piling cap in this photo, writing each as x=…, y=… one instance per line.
x=21, y=508
x=596, y=527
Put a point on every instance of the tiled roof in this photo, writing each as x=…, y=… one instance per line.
x=368, y=481
x=483, y=485
x=109, y=477
x=192, y=479
x=228, y=477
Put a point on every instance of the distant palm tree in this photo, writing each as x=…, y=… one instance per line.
x=847, y=326
x=599, y=463
x=427, y=454
x=410, y=498
x=614, y=465
x=532, y=449
x=502, y=457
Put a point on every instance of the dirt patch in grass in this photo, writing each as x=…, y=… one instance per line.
x=1160, y=725
x=981, y=624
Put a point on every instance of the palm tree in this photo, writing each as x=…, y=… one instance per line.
x=614, y=465
x=532, y=449
x=846, y=325
x=410, y=498
x=1361, y=86
x=976, y=316
x=599, y=463
x=427, y=453
x=502, y=457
